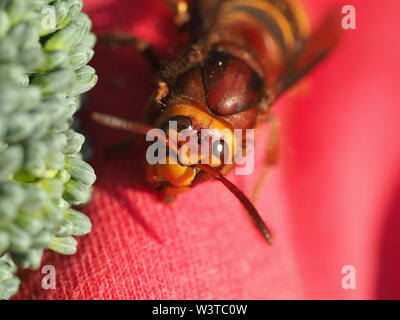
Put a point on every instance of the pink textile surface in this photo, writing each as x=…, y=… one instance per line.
x=332, y=201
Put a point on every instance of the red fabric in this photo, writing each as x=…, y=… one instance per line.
x=332, y=201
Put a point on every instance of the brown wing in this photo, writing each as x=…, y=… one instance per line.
x=316, y=48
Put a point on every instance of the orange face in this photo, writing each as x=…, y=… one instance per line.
x=179, y=175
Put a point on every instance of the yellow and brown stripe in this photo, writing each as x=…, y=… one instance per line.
x=271, y=31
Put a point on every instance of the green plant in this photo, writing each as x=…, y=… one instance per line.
x=44, y=50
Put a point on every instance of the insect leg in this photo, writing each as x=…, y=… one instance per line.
x=115, y=40
x=272, y=155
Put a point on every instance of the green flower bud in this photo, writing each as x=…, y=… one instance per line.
x=63, y=176
x=89, y=40
x=55, y=59
x=25, y=35
x=20, y=241
x=3, y=128
x=35, y=198
x=12, y=191
x=7, y=263
x=35, y=159
x=62, y=204
x=56, y=108
x=76, y=192
x=85, y=79
x=29, y=260
x=53, y=82
x=80, y=170
x=8, y=50
x=20, y=126
x=29, y=97
x=55, y=142
x=9, y=98
x=43, y=239
x=65, y=229
x=42, y=123
x=60, y=111
x=74, y=103
x=29, y=223
x=81, y=224
x=74, y=141
x=55, y=161
x=71, y=35
x=10, y=161
x=53, y=214
x=37, y=5
x=80, y=56
x=16, y=10
x=8, y=210
x=53, y=187
x=32, y=57
x=65, y=245
x=48, y=23
x=4, y=242
x=18, y=98
x=11, y=197
x=8, y=288
x=4, y=23
x=14, y=73
x=74, y=7
x=5, y=274
x=62, y=8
